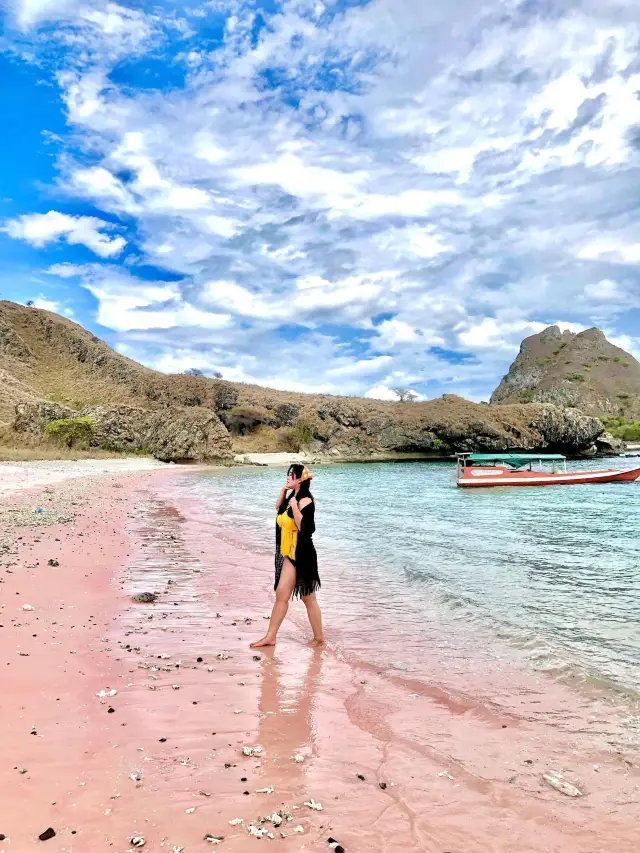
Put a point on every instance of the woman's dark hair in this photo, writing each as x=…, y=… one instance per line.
x=305, y=486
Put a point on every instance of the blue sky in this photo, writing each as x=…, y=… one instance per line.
x=344, y=197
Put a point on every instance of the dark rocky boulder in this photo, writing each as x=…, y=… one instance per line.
x=170, y=435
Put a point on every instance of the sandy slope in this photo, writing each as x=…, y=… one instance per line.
x=15, y=476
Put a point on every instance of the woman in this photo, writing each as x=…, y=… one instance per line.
x=296, y=559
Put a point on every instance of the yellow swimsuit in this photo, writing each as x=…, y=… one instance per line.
x=289, y=535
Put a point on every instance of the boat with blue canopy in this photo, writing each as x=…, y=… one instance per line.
x=474, y=470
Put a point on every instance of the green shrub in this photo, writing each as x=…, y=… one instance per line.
x=72, y=432
x=302, y=433
x=625, y=364
x=526, y=396
x=622, y=428
x=575, y=377
x=604, y=358
x=617, y=359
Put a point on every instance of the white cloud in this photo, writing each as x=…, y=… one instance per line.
x=46, y=304
x=603, y=290
x=39, y=229
x=608, y=248
x=66, y=270
x=388, y=179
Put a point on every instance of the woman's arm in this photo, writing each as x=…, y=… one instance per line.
x=296, y=509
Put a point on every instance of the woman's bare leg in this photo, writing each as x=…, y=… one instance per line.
x=315, y=618
x=285, y=588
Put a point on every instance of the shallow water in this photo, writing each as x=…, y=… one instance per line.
x=549, y=576
x=426, y=706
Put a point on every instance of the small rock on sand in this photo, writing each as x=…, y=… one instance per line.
x=144, y=597
x=559, y=784
x=47, y=834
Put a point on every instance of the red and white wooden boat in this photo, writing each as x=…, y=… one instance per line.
x=476, y=470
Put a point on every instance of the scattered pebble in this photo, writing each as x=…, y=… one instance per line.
x=53, y=562
x=236, y=821
x=103, y=693
x=138, y=841
x=189, y=811
x=256, y=831
x=214, y=839
x=144, y=597
x=298, y=758
x=313, y=805
x=268, y=790
x=559, y=784
x=28, y=607
x=251, y=750
x=47, y=834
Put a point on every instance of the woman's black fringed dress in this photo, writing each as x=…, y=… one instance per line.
x=306, y=559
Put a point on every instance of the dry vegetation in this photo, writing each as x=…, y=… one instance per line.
x=47, y=358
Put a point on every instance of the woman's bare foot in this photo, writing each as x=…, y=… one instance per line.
x=260, y=644
x=315, y=643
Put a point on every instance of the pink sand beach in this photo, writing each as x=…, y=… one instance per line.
x=124, y=720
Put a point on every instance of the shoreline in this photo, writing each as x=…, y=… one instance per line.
x=439, y=773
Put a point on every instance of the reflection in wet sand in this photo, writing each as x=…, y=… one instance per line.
x=286, y=707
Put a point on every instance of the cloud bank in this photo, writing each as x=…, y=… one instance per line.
x=345, y=197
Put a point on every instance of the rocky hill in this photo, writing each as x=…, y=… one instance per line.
x=59, y=382
x=583, y=371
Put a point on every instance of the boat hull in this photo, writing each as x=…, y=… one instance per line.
x=479, y=477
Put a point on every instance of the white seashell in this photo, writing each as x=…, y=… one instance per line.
x=189, y=811
x=298, y=758
x=268, y=790
x=103, y=693
x=565, y=788
x=138, y=841
x=313, y=805
x=28, y=607
x=298, y=829
x=236, y=821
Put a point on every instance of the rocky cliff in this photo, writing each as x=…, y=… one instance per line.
x=583, y=371
x=52, y=370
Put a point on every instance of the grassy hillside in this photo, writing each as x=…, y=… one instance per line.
x=47, y=359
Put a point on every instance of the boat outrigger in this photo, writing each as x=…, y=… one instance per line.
x=475, y=470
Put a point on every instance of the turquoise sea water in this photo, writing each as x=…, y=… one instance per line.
x=548, y=578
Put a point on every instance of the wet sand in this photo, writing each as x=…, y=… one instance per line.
x=441, y=773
